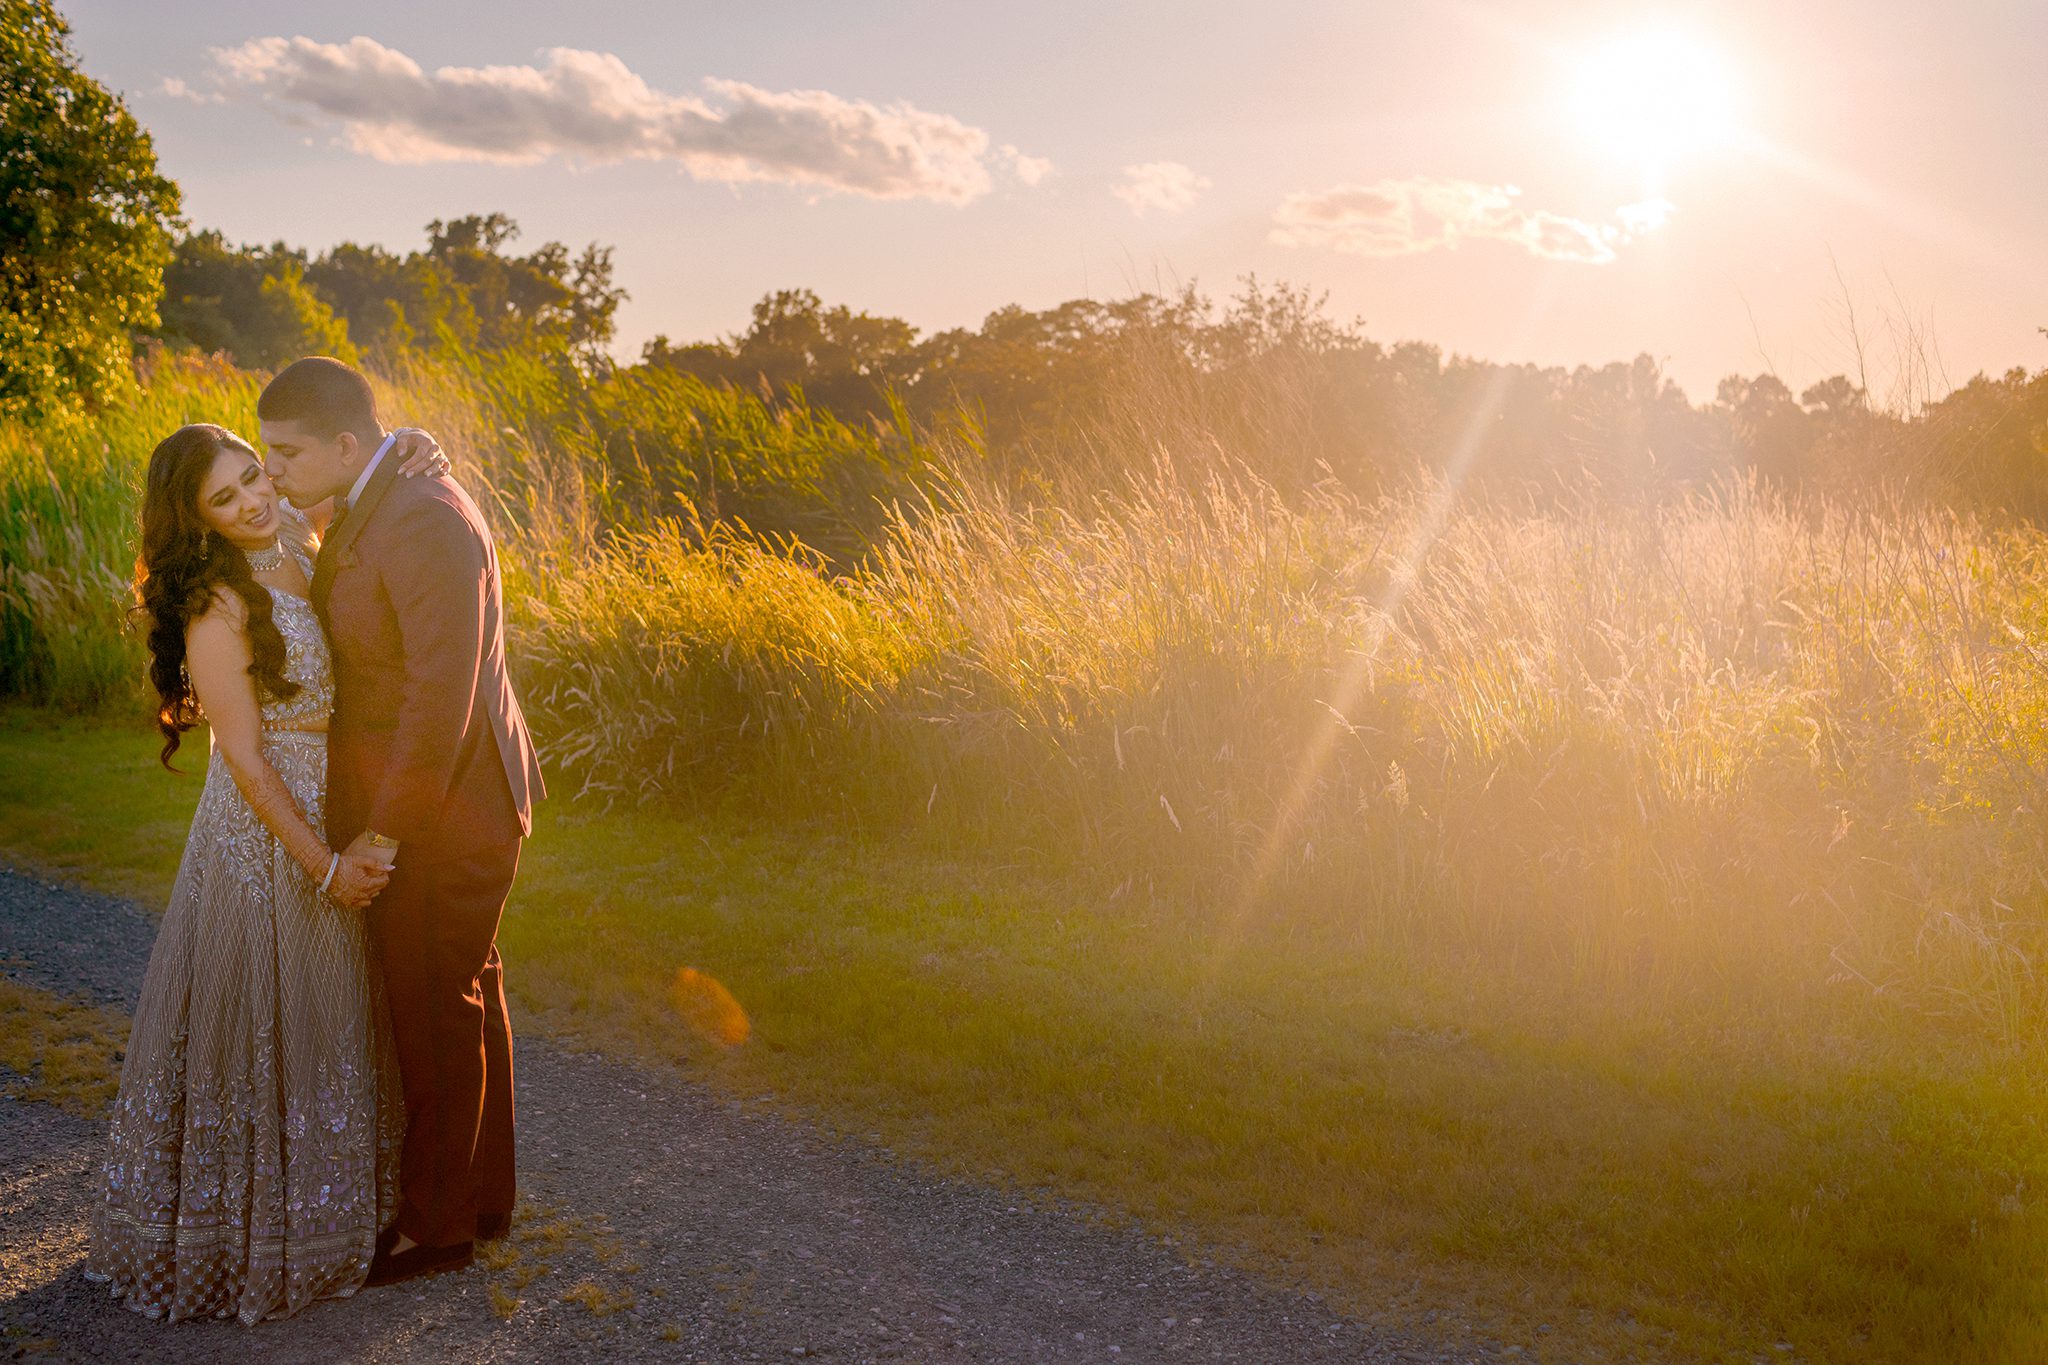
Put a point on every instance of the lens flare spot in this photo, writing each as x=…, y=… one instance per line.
x=709, y=1008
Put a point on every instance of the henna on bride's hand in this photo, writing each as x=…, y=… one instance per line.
x=357, y=881
x=420, y=453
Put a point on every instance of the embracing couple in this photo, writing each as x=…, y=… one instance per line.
x=317, y=1091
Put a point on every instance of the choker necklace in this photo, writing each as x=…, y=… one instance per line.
x=266, y=561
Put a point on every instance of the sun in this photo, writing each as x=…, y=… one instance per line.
x=1652, y=99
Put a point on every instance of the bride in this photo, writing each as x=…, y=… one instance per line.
x=252, y=1157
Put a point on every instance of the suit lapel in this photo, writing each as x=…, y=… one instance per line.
x=351, y=526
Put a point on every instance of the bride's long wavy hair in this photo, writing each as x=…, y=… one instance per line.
x=182, y=561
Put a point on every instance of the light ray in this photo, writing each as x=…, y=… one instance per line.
x=1923, y=220
x=1357, y=673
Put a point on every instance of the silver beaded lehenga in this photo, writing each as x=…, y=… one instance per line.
x=252, y=1157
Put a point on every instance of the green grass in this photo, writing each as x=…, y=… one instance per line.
x=1403, y=1131
x=87, y=800
x=57, y=1050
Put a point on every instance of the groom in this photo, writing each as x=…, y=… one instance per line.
x=430, y=769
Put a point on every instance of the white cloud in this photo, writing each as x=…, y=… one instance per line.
x=591, y=107
x=1399, y=217
x=178, y=90
x=1647, y=216
x=1167, y=186
x=1029, y=169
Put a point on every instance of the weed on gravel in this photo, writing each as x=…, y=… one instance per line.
x=548, y=1241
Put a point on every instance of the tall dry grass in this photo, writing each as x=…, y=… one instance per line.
x=70, y=490
x=1793, y=749
x=1718, y=740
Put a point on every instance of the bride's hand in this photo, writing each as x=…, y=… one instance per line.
x=357, y=881
x=419, y=453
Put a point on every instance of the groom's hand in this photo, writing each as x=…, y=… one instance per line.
x=357, y=880
x=384, y=855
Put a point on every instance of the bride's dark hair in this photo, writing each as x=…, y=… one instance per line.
x=182, y=561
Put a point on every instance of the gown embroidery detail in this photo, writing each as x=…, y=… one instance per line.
x=252, y=1153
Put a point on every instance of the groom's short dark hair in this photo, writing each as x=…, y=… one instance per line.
x=322, y=394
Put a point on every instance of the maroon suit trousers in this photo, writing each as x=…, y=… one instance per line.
x=435, y=928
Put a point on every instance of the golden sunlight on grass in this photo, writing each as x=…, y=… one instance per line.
x=59, y=1051
x=709, y=1008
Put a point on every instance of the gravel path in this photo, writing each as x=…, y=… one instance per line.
x=664, y=1222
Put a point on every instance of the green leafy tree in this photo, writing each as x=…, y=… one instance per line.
x=542, y=300
x=1987, y=443
x=395, y=303
x=251, y=302
x=464, y=295
x=85, y=221
x=466, y=292
x=846, y=361
x=1773, y=434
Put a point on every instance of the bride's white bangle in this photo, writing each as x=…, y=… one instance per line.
x=333, y=861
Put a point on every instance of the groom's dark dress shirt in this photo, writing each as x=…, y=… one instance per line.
x=428, y=746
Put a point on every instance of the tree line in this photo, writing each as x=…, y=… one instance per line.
x=1267, y=376
x=98, y=262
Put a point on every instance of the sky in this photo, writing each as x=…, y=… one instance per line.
x=1748, y=186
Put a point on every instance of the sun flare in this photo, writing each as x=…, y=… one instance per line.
x=1650, y=99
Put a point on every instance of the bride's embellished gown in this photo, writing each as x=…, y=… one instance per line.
x=253, y=1152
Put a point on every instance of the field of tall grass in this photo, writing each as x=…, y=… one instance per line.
x=1782, y=750
x=1761, y=776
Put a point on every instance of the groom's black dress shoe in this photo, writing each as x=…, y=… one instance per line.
x=390, y=1267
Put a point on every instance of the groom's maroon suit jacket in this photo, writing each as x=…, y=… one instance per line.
x=427, y=744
